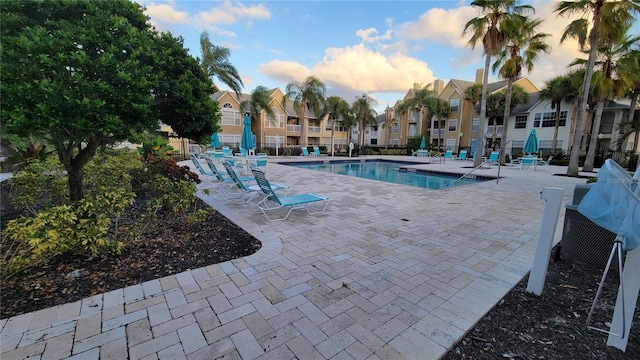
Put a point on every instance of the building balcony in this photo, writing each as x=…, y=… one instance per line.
x=293, y=128
x=314, y=129
x=494, y=129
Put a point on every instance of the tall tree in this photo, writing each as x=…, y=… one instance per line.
x=259, y=100
x=579, y=30
x=438, y=108
x=629, y=67
x=215, y=62
x=88, y=74
x=363, y=112
x=496, y=103
x=336, y=109
x=556, y=91
x=611, y=85
x=306, y=95
x=418, y=100
x=488, y=28
x=524, y=44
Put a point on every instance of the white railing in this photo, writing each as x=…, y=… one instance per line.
x=314, y=129
x=293, y=128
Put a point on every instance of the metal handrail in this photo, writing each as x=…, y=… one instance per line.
x=439, y=156
x=474, y=169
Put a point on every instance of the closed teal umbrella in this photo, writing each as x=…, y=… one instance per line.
x=531, y=146
x=247, y=136
x=215, y=140
x=423, y=143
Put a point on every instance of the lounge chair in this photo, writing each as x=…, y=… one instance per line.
x=493, y=158
x=462, y=155
x=261, y=162
x=316, y=152
x=528, y=161
x=243, y=187
x=422, y=153
x=448, y=153
x=226, y=151
x=272, y=201
x=305, y=152
x=545, y=162
x=224, y=178
x=198, y=166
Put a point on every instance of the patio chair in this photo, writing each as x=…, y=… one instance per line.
x=272, y=201
x=545, y=162
x=242, y=187
x=462, y=155
x=316, y=152
x=198, y=166
x=224, y=178
x=513, y=162
x=422, y=153
x=261, y=162
x=493, y=158
x=447, y=155
x=305, y=152
x=226, y=151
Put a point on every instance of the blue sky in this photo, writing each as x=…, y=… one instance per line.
x=378, y=47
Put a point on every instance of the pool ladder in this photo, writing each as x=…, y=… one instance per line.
x=474, y=169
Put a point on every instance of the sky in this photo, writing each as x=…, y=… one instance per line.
x=363, y=46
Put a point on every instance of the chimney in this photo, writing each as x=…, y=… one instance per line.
x=479, y=76
x=438, y=86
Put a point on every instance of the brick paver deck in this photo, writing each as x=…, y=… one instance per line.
x=388, y=272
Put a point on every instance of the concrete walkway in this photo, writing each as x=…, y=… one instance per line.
x=388, y=272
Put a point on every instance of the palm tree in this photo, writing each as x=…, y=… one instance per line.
x=579, y=30
x=215, y=62
x=259, y=100
x=364, y=114
x=421, y=96
x=437, y=108
x=488, y=28
x=496, y=104
x=306, y=95
x=629, y=67
x=523, y=47
x=556, y=90
x=335, y=108
x=611, y=84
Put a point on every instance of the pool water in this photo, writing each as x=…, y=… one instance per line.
x=390, y=172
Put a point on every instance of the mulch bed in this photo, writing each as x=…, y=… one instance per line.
x=521, y=326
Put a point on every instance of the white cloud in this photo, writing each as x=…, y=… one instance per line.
x=231, y=12
x=357, y=68
x=440, y=26
x=166, y=13
x=368, y=35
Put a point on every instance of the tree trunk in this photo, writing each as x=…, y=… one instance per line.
x=303, y=128
x=554, y=143
x=333, y=128
x=574, y=120
x=593, y=142
x=483, y=112
x=588, y=125
x=632, y=110
x=574, y=159
x=505, y=122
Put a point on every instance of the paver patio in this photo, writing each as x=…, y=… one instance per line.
x=387, y=272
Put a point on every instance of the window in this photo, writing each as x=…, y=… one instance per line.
x=227, y=106
x=412, y=130
x=374, y=141
x=395, y=128
x=451, y=144
x=548, y=119
x=273, y=141
x=475, y=124
x=277, y=122
x=454, y=105
x=521, y=122
x=453, y=124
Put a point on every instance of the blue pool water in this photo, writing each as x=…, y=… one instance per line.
x=389, y=172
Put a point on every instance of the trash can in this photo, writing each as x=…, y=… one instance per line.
x=583, y=240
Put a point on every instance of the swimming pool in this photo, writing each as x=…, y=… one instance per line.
x=390, y=171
